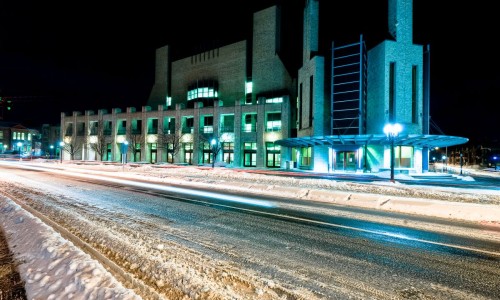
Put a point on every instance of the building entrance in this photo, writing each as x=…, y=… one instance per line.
x=345, y=161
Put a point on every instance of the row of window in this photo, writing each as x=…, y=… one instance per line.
x=273, y=123
x=197, y=92
x=18, y=135
x=273, y=155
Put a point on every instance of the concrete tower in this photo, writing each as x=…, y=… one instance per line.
x=396, y=85
x=160, y=89
x=395, y=75
x=313, y=110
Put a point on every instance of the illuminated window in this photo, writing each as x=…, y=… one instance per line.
x=202, y=93
x=208, y=124
x=188, y=153
x=403, y=157
x=248, y=87
x=274, y=100
x=273, y=155
x=250, y=123
x=228, y=152
x=250, y=154
x=188, y=123
x=169, y=125
x=252, y=146
x=305, y=155
x=207, y=153
x=273, y=122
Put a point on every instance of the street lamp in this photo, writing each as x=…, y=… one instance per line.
x=392, y=131
x=51, y=151
x=61, y=145
x=461, y=162
x=124, y=149
x=495, y=161
x=213, y=142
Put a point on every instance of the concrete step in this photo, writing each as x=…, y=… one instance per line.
x=438, y=176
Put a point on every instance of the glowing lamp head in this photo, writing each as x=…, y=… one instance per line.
x=393, y=129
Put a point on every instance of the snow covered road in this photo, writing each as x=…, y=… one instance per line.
x=193, y=253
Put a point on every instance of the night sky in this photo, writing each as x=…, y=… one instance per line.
x=64, y=56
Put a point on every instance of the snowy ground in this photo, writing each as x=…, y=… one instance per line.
x=54, y=268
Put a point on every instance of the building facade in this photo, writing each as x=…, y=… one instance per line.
x=228, y=104
x=347, y=98
x=15, y=138
x=49, y=141
x=240, y=106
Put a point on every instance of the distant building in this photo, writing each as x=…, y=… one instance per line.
x=50, y=137
x=239, y=104
x=18, y=139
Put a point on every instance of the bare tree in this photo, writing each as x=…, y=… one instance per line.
x=73, y=145
x=214, y=141
x=170, y=142
x=98, y=144
x=135, y=137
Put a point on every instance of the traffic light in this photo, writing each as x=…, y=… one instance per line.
x=9, y=104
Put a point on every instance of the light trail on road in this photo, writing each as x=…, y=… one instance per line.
x=253, y=202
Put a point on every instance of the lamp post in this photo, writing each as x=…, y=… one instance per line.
x=61, y=145
x=213, y=143
x=124, y=149
x=461, y=162
x=392, y=131
x=495, y=161
x=51, y=151
x=443, y=158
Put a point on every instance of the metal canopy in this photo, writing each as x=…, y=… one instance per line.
x=417, y=140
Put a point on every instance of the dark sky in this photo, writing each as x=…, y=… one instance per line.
x=62, y=56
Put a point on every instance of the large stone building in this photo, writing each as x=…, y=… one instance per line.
x=231, y=102
x=239, y=104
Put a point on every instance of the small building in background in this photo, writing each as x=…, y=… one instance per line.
x=15, y=138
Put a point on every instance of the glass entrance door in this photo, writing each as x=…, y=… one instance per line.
x=345, y=161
